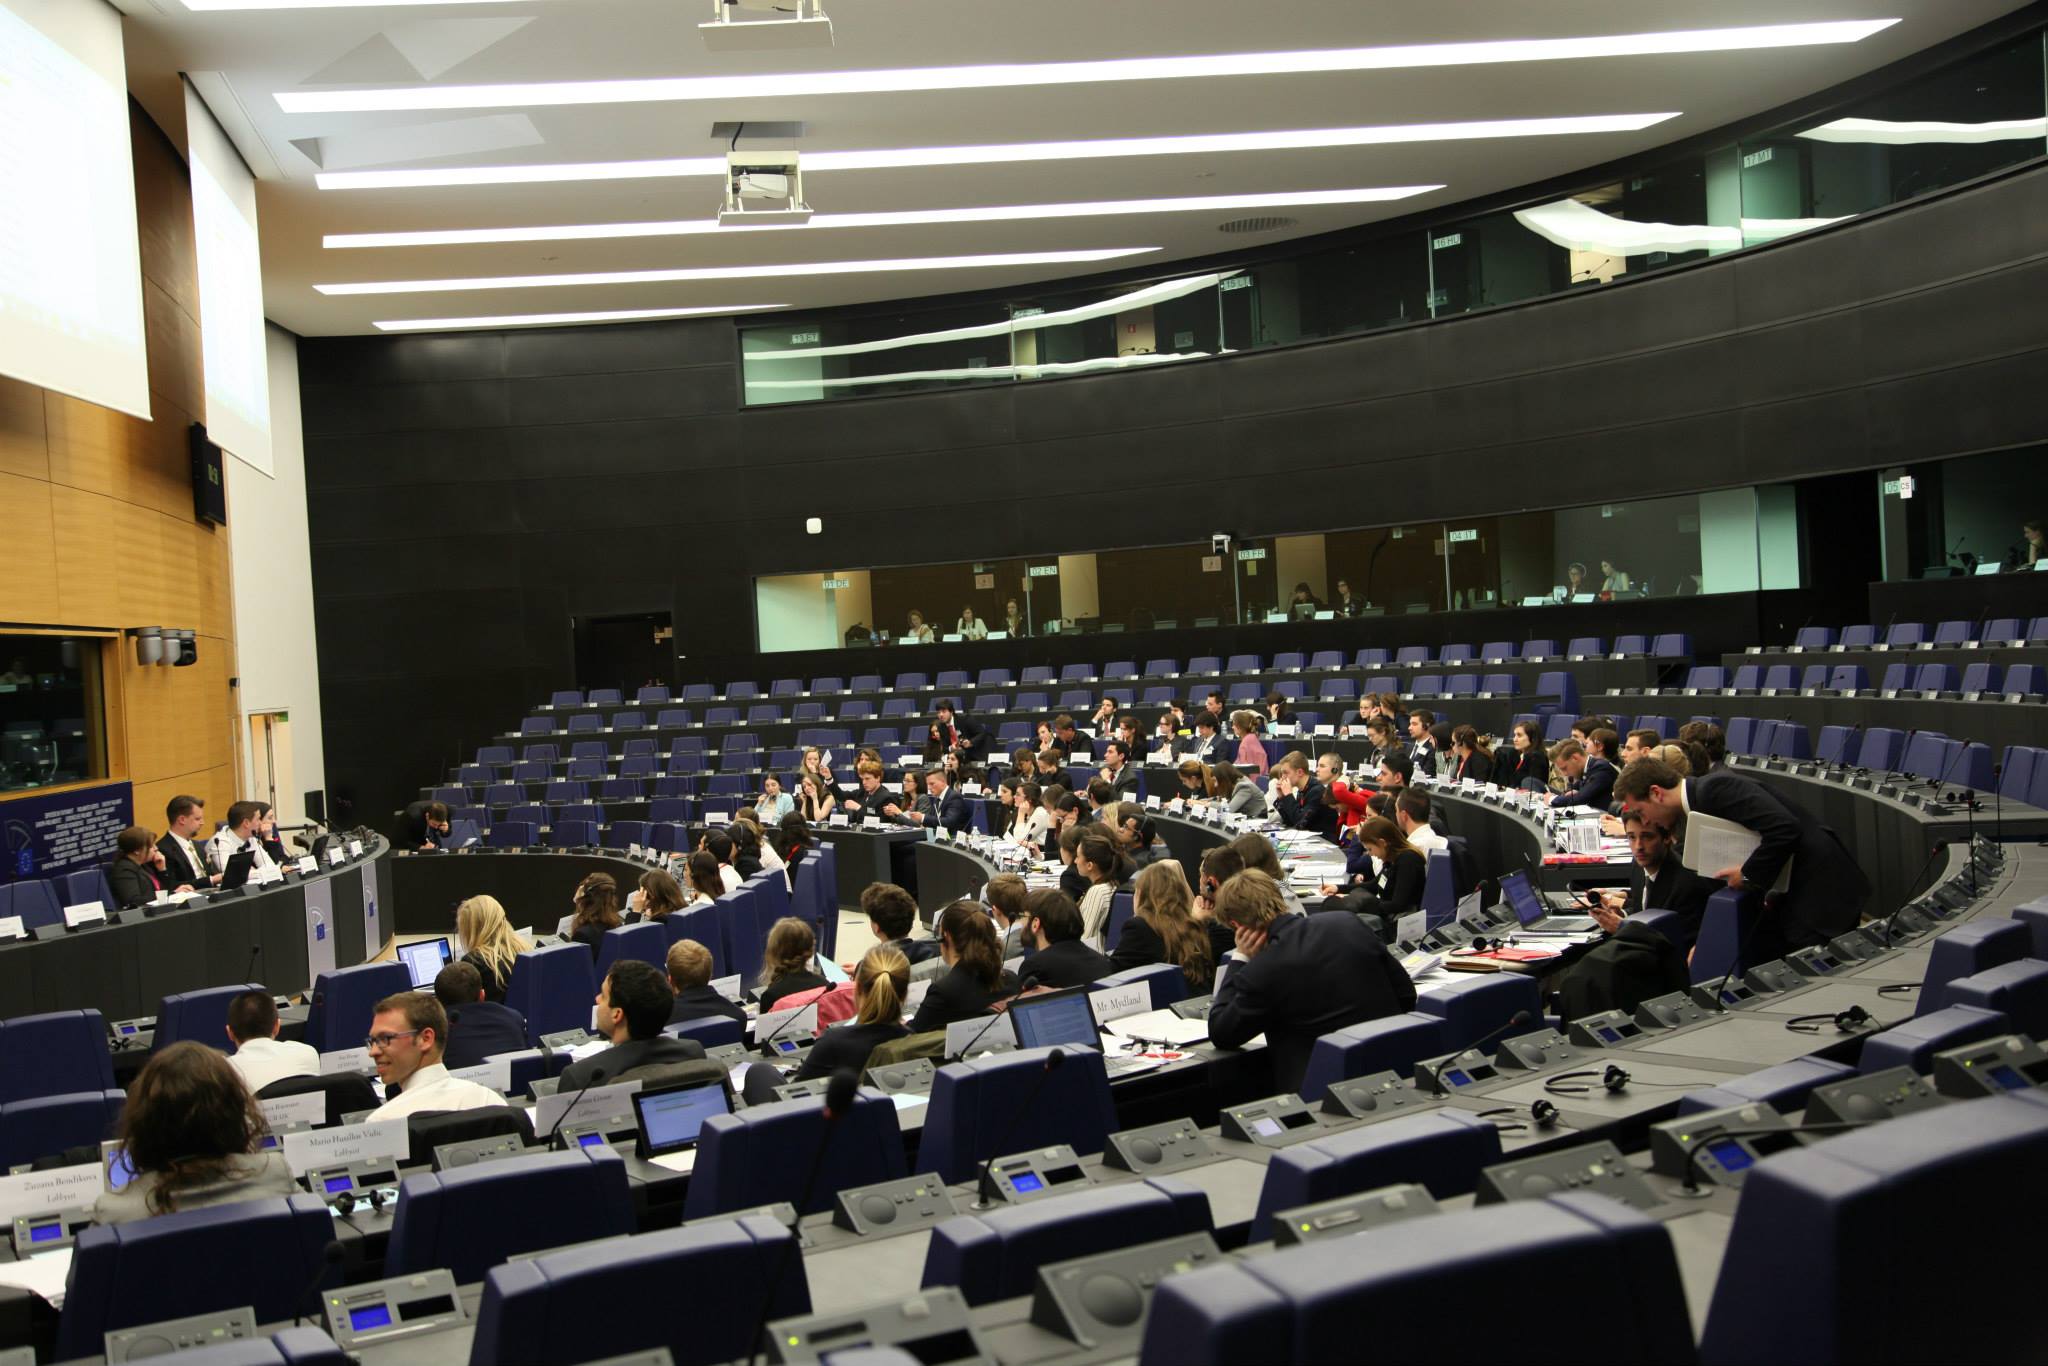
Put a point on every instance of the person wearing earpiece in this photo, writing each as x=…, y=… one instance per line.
x=1660, y=881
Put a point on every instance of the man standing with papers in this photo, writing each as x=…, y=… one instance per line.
x=1811, y=887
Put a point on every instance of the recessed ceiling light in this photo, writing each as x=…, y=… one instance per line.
x=816, y=163
x=650, y=277
x=620, y=315
x=689, y=227
x=902, y=80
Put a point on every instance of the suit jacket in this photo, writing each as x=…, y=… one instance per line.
x=949, y=812
x=1069, y=963
x=178, y=870
x=1317, y=973
x=959, y=995
x=1595, y=787
x=1126, y=781
x=1309, y=809
x=697, y=1003
x=846, y=1046
x=973, y=737
x=1677, y=889
x=1518, y=768
x=916, y=950
x=659, y=1051
x=413, y=830
x=1476, y=766
x=133, y=884
x=1828, y=889
x=480, y=1029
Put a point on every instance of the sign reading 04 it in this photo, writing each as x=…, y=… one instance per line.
x=45, y=835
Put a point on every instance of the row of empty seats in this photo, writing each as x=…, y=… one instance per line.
x=1907, y=635
x=1932, y=680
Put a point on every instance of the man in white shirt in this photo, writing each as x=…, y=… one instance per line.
x=260, y=1056
x=408, y=1034
x=237, y=834
x=1411, y=813
x=184, y=861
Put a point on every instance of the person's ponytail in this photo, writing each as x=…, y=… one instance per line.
x=882, y=982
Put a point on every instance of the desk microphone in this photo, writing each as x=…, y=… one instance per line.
x=330, y=1256
x=1690, y=1188
x=1025, y=981
x=249, y=973
x=597, y=1075
x=1436, y=1077
x=839, y=1093
x=984, y=1188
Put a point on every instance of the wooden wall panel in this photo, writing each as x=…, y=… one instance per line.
x=96, y=512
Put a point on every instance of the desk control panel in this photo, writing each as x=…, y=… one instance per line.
x=35, y=1234
x=372, y=1181
x=1724, y=994
x=895, y=1206
x=1455, y=1072
x=1815, y=961
x=1375, y=1096
x=1608, y=1029
x=1018, y=1178
x=912, y=1078
x=1533, y=1052
x=1774, y=976
x=180, y=1335
x=137, y=1033
x=1348, y=1214
x=1671, y=1011
x=1856, y=945
x=472, y=1151
x=1719, y=1145
x=933, y=1325
x=1864, y=1100
x=361, y=1316
x=1274, y=1122
x=1597, y=1167
x=1099, y=1302
x=1158, y=1148
x=1194, y=1008
x=1989, y=1067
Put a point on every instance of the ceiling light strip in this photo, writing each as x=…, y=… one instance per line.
x=617, y=315
x=999, y=213
x=703, y=273
x=891, y=158
x=1120, y=70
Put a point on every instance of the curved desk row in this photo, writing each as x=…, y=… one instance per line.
x=1991, y=721
x=283, y=936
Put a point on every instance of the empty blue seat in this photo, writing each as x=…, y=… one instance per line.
x=1970, y=948
x=1443, y=1150
x=699, y=1292
x=2019, y=989
x=1706, y=678
x=48, y=1055
x=995, y=1254
x=1473, y=1007
x=1542, y=649
x=1897, y=676
x=651, y=695
x=584, y=722
x=1316, y=1302
x=1456, y=654
x=1747, y=678
x=1741, y=734
x=2004, y=631
x=537, y=725
x=1243, y=664
x=1784, y=1087
x=1632, y=645
x=742, y=690
x=646, y=941
x=2025, y=678
x=1881, y=748
x=1372, y=657
x=1411, y=656
x=540, y=754
x=32, y=900
x=1461, y=684
x=1814, y=637
x=1585, y=647
x=344, y=1001
x=1497, y=651
x=1500, y=685
x=605, y=697
x=1914, y=1043
x=1427, y=685
x=979, y=1103
x=916, y=682
x=700, y=922
x=514, y=834
x=1777, y=678
x=1858, y=637
x=46, y=1125
x=469, y=1219
x=200, y=1016
x=765, y=1154
x=142, y=1272
x=494, y=754
x=741, y=931
x=1904, y=634
x=1562, y=685
x=625, y=833
x=1830, y=1219
x=1338, y=690
x=553, y=988
x=1391, y=1043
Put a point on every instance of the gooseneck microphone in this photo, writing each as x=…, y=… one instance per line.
x=839, y=1093
x=1024, y=983
x=331, y=1256
x=984, y=1188
x=597, y=1076
x=1436, y=1077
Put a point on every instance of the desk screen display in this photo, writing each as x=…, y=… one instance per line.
x=424, y=960
x=376, y=1316
x=1060, y=1019
x=335, y=1183
x=1521, y=897
x=1025, y=1182
x=671, y=1119
x=1732, y=1156
x=46, y=1233
x=2008, y=1078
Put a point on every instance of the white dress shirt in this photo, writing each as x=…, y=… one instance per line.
x=263, y=1061
x=431, y=1088
x=730, y=876
x=225, y=844
x=1425, y=838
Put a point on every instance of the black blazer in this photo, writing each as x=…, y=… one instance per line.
x=916, y=950
x=972, y=737
x=1476, y=766
x=951, y=812
x=1140, y=946
x=480, y=1029
x=1126, y=781
x=1309, y=809
x=413, y=829
x=699, y=1003
x=494, y=985
x=957, y=995
x=789, y=984
x=1677, y=889
x=1515, y=768
x=1316, y=974
x=1595, y=787
x=847, y=1046
x=1397, y=891
x=1069, y=963
x=178, y=870
x=599, y=1068
x=1828, y=889
x=133, y=884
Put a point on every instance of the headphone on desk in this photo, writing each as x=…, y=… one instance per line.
x=1613, y=1080
x=1846, y=1021
x=1542, y=1114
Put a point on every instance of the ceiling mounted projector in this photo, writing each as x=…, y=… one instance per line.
x=789, y=23
x=770, y=179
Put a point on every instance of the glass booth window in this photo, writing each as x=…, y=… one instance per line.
x=52, y=727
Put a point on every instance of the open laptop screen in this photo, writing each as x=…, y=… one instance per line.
x=1062, y=1017
x=671, y=1119
x=1522, y=898
x=424, y=960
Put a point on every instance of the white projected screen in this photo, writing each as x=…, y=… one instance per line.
x=230, y=291
x=70, y=273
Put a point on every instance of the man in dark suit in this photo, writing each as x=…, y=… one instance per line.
x=964, y=736
x=1302, y=802
x=136, y=874
x=633, y=1008
x=185, y=858
x=689, y=973
x=1827, y=890
x=891, y=912
x=477, y=1028
x=423, y=826
x=875, y=799
x=941, y=808
x=1591, y=777
x=1303, y=976
x=1120, y=767
x=1660, y=881
x=1061, y=959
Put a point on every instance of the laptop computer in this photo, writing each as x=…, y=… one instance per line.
x=1065, y=1018
x=671, y=1118
x=424, y=960
x=236, y=874
x=1533, y=910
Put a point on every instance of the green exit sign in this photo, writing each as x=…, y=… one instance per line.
x=1256, y=553
x=838, y=583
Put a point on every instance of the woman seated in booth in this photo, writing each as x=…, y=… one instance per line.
x=488, y=943
x=1251, y=753
x=1396, y=889
x=193, y=1136
x=974, y=978
x=814, y=799
x=790, y=963
x=597, y=910
x=1030, y=820
x=657, y=897
x=1013, y=620
x=1474, y=759
x=970, y=626
x=702, y=882
x=1193, y=781
x=1527, y=766
x=918, y=629
x=773, y=803
x=1162, y=928
x=1238, y=793
x=880, y=984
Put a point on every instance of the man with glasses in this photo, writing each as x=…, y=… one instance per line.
x=408, y=1034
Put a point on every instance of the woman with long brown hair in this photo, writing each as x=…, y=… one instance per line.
x=1396, y=889
x=1101, y=861
x=1162, y=928
x=1475, y=760
x=659, y=894
x=701, y=881
x=974, y=968
x=193, y=1135
x=789, y=965
x=597, y=910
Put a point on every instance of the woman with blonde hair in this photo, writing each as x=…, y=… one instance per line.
x=489, y=943
x=1162, y=927
x=789, y=965
x=880, y=984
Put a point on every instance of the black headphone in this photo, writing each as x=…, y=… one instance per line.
x=1481, y=944
x=1846, y=1021
x=1541, y=1113
x=1613, y=1080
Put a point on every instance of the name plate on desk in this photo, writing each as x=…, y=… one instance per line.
x=343, y=1144
x=335, y=857
x=307, y=1110
x=12, y=928
x=355, y=848
x=494, y=1072
x=355, y=1060
x=600, y=1105
x=729, y=987
x=983, y=1034
x=837, y=819
x=39, y=1192
x=85, y=913
x=799, y=1024
x=308, y=865
x=1114, y=1003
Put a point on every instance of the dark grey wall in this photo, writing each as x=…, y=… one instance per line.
x=470, y=493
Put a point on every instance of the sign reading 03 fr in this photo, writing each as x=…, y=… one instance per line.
x=45, y=835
